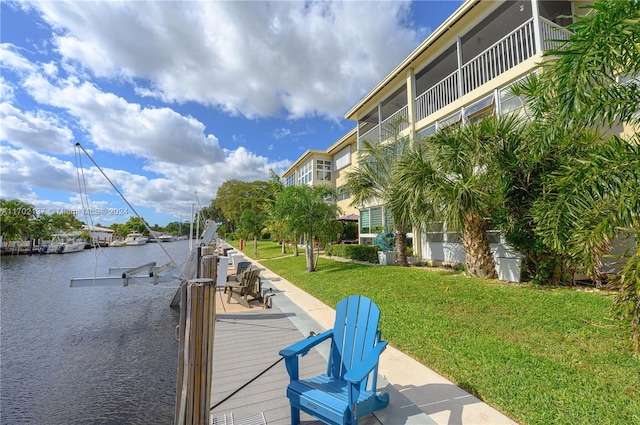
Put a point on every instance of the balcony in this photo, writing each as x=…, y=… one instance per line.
x=391, y=126
x=513, y=49
x=508, y=52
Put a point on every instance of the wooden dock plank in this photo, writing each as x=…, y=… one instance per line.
x=247, y=343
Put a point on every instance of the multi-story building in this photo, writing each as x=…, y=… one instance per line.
x=316, y=167
x=460, y=73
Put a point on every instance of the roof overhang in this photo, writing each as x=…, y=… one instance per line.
x=406, y=63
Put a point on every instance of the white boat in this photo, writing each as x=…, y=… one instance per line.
x=135, y=239
x=63, y=244
x=166, y=238
x=118, y=242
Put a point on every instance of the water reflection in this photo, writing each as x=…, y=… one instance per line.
x=100, y=355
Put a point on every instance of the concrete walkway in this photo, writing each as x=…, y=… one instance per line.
x=442, y=401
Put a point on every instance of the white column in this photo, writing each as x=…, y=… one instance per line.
x=536, y=25
x=411, y=104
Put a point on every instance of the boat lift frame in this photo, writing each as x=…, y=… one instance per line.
x=150, y=273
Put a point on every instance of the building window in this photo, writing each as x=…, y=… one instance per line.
x=304, y=174
x=343, y=193
x=427, y=131
x=372, y=220
x=482, y=108
x=376, y=220
x=343, y=158
x=453, y=119
x=323, y=170
x=290, y=181
x=364, y=221
x=510, y=103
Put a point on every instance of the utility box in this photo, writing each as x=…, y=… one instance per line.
x=387, y=258
x=509, y=268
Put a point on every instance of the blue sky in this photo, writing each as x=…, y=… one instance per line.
x=173, y=98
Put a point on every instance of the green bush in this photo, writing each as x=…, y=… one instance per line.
x=354, y=252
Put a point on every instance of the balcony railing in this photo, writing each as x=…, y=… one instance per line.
x=550, y=33
x=395, y=123
x=372, y=135
x=437, y=97
x=511, y=50
x=389, y=127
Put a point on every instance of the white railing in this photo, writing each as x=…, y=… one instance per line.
x=514, y=48
x=395, y=123
x=550, y=32
x=438, y=96
x=372, y=135
x=511, y=50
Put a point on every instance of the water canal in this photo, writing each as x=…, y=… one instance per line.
x=100, y=355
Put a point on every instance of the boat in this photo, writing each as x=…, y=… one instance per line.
x=166, y=238
x=136, y=238
x=117, y=242
x=63, y=244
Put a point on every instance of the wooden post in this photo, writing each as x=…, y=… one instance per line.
x=195, y=356
x=209, y=267
x=208, y=250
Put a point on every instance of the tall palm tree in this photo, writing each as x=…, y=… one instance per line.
x=593, y=195
x=449, y=178
x=375, y=182
x=303, y=210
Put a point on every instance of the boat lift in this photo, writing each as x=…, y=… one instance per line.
x=150, y=273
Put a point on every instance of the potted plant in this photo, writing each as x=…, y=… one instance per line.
x=386, y=242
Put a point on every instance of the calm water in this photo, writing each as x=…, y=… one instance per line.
x=101, y=355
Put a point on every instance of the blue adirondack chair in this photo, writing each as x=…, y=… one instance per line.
x=347, y=391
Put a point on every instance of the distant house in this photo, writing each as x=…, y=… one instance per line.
x=99, y=235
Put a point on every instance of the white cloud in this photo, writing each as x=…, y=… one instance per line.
x=175, y=147
x=246, y=58
x=40, y=130
x=11, y=59
x=121, y=127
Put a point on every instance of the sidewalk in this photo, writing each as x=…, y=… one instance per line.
x=432, y=394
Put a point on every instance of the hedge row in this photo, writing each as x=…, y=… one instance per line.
x=354, y=252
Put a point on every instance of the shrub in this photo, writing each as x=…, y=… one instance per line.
x=354, y=252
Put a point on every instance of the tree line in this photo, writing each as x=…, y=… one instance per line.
x=20, y=220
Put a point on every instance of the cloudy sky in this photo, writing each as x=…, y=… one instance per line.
x=170, y=99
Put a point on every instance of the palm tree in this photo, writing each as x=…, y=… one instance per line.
x=304, y=210
x=250, y=225
x=449, y=178
x=375, y=182
x=580, y=76
x=587, y=200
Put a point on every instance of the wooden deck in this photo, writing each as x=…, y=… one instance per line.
x=247, y=342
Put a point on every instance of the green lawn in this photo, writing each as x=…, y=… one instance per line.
x=540, y=355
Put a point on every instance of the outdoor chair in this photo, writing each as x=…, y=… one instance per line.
x=242, y=266
x=347, y=391
x=248, y=286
